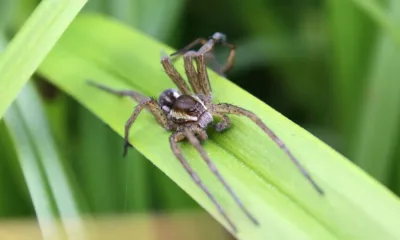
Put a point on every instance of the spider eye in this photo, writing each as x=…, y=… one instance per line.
x=167, y=99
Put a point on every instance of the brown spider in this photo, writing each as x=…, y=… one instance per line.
x=188, y=114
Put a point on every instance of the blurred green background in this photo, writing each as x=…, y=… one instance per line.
x=329, y=66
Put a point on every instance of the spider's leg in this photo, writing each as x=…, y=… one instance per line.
x=151, y=105
x=201, y=41
x=204, y=81
x=207, y=48
x=191, y=72
x=195, y=142
x=231, y=56
x=197, y=79
x=174, y=75
x=225, y=108
x=215, y=65
x=129, y=93
x=174, y=139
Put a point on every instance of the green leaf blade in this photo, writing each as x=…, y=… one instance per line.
x=354, y=207
x=32, y=43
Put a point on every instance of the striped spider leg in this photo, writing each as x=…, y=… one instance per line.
x=222, y=109
x=186, y=113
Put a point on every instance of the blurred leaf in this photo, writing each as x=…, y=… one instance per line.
x=352, y=37
x=187, y=226
x=21, y=11
x=41, y=166
x=135, y=179
x=32, y=43
x=289, y=40
x=6, y=11
x=154, y=17
x=378, y=128
x=172, y=196
x=32, y=170
x=100, y=6
x=14, y=200
x=97, y=166
x=378, y=13
x=355, y=206
x=259, y=16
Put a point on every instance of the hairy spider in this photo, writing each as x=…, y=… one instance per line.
x=188, y=113
x=206, y=49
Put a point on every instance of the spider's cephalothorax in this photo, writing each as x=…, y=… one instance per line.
x=184, y=109
x=189, y=110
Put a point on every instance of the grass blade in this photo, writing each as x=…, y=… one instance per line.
x=378, y=14
x=352, y=38
x=355, y=206
x=31, y=44
x=41, y=163
x=381, y=113
x=43, y=204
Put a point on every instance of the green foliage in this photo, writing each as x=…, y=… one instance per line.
x=261, y=173
x=46, y=179
x=31, y=44
x=328, y=66
x=378, y=131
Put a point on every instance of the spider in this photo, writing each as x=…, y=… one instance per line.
x=188, y=112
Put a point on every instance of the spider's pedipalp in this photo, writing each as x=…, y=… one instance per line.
x=195, y=142
x=174, y=139
x=174, y=75
x=225, y=108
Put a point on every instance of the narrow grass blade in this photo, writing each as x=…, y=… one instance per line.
x=98, y=164
x=352, y=35
x=376, y=11
x=378, y=130
x=41, y=163
x=15, y=200
x=31, y=44
x=43, y=204
x=354, y=207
